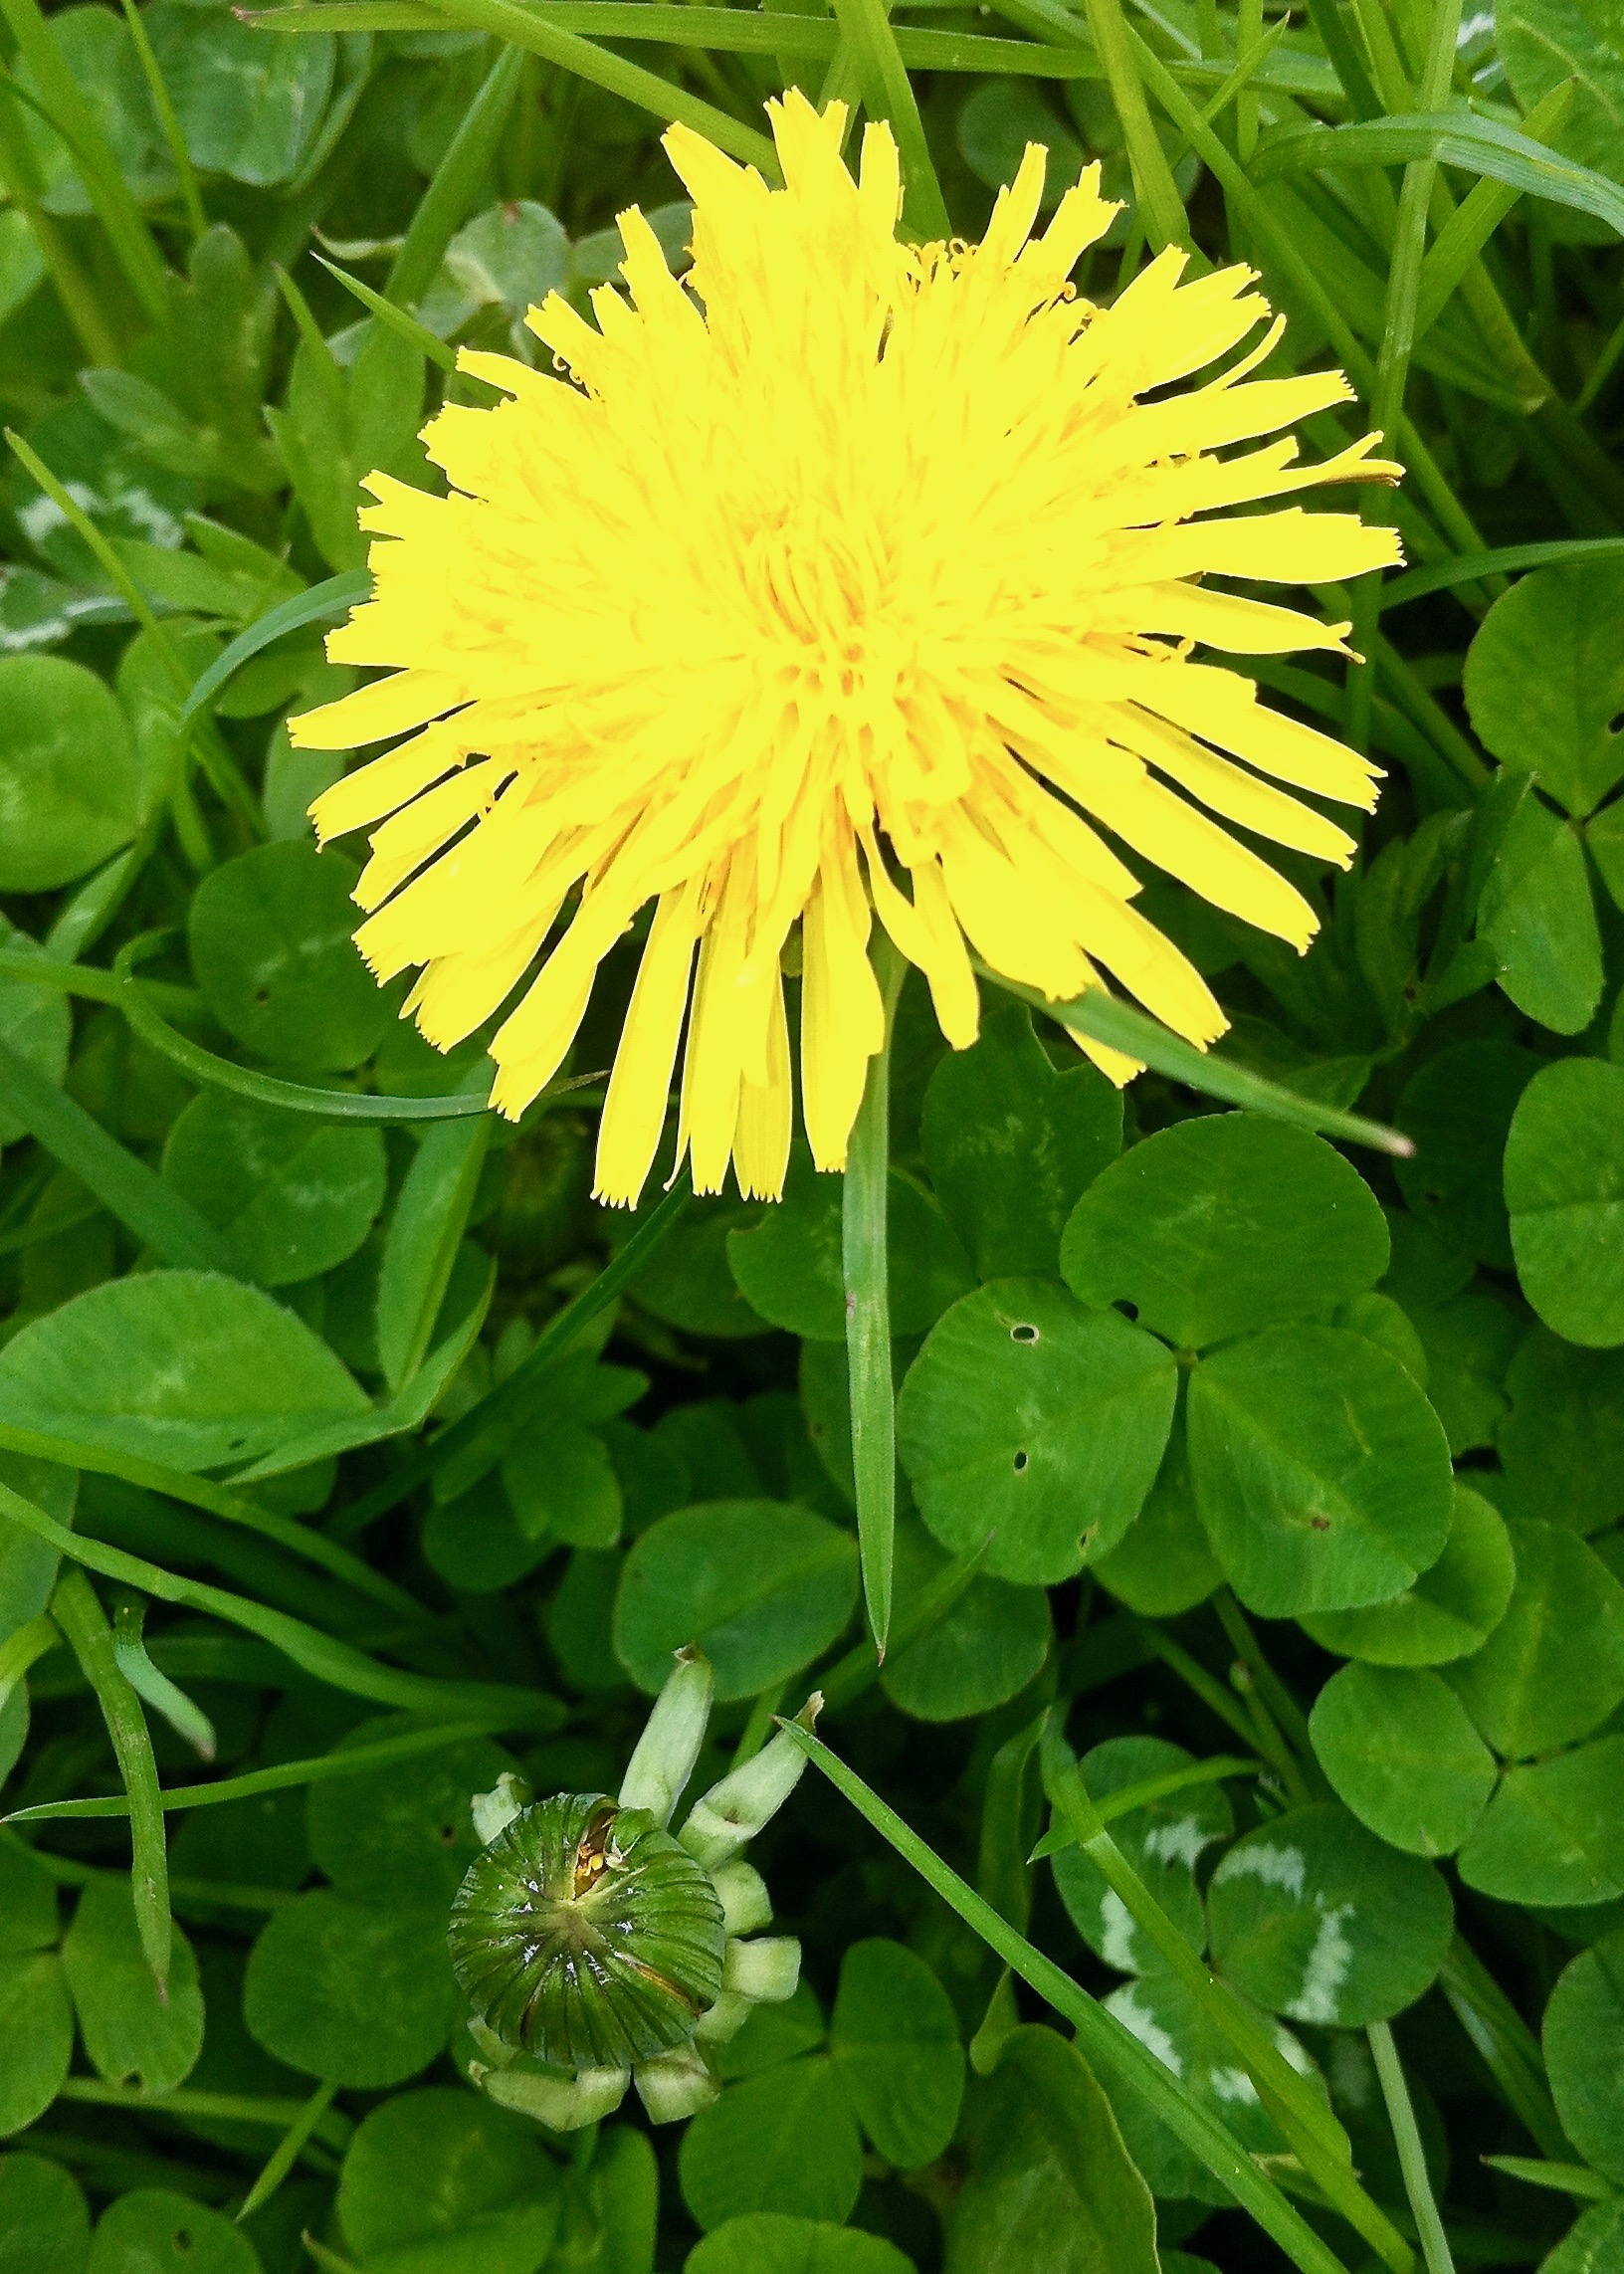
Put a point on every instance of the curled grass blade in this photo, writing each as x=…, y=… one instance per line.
x=1482, y=146
x=80, y=1615
x=319, y=1655
x=1100, y=2037
x=153, y=1688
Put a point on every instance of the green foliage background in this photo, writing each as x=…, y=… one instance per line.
x=348, y=1455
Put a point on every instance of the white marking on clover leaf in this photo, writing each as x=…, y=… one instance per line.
x=1283, y=1867
x=1180, y=1841
x=1124, y=2004
x=1116, y=1933
x=1234, y=2086
x=1330, y=1964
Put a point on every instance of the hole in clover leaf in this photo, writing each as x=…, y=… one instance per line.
x=1024, y=1333
x=182, y=2240
x=448, y=1835
x=1616, y=726
x=1020, y=1463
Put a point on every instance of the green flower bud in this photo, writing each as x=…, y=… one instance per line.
x=596, y=1950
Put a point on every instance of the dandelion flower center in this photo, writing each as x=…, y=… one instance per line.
x=843, y=581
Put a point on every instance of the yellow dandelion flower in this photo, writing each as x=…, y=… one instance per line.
x=844, y=578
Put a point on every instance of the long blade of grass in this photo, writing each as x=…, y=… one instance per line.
x=1504, y=560
x=397, y=319
x=287, y=1531
x=338, y=1664
x=285, y=1777
x=1412, y=2160
x=601, y=67
x=1302, y=2114
x=1482, y=146
x=1100, y=2037
x=449, y=199
x=482, y=1433
x=1398, y=319
x=1162, y=209
x=157, y=1215
x=335, y=596
x=132, y=242
x=85, y=979
x=1508, y=2049
x=865, y=1266
x=20, y=177
x=286, y=2153
x=216, y=1073
x=1475, y=220
x=888, y=92
x=80, y=1615
x=169, y=124
x=1102, y=1019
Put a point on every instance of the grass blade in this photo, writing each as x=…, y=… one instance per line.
x=285, y=1777
x=1103, y=1019
x=397, y=319
x=1443, y=575
x=888, y=92
x=1160, y=207
x=155, y=1688
x=286, y=2153
x=1100, y=2037
x=80, y=1615
x=646, y=89
x=338, y=1664
x=482, y=1433
x=449, y=199
x=1412, y=2160
x=125, y=1185
x=1304, y=2118
x=865, y=1266
x=287, y=1531
x=335, y=596
x=132, y=242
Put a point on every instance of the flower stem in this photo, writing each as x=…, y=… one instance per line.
x=868, y=1312
x=1412, y=2160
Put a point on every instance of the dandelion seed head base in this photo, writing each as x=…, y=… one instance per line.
x=841, y=581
